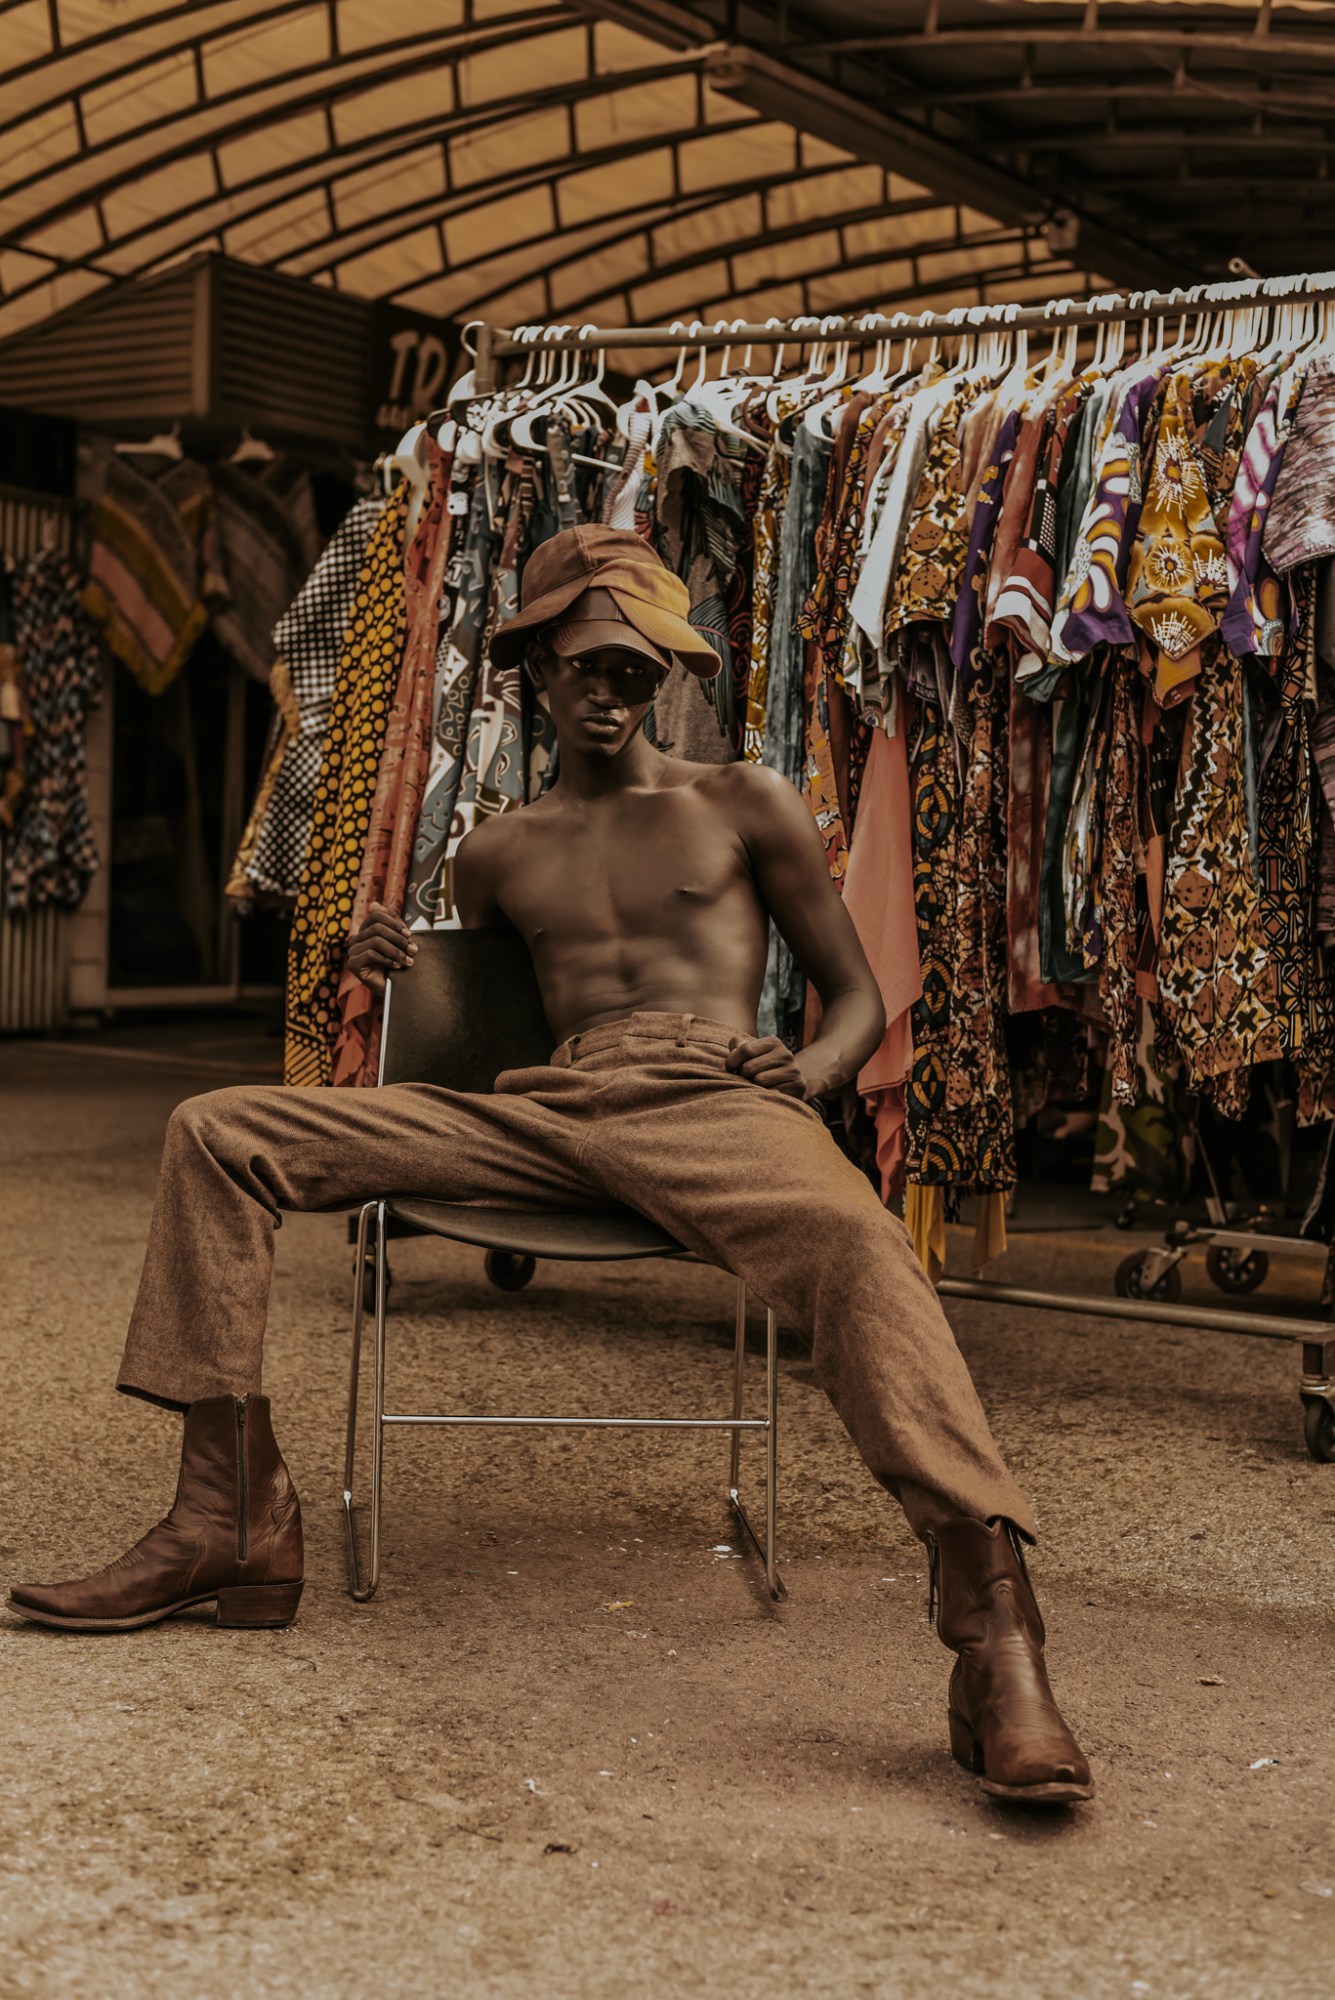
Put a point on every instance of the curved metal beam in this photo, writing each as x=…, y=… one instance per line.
x=311, y=176
x=1077, y=41
x=454, y=123
x=331, y=92
x=911, y=252
x=674, y=212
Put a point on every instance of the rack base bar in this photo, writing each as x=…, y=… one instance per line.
x=1153, y=1312
x=594, y=1423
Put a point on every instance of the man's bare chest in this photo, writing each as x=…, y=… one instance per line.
x=626, y=873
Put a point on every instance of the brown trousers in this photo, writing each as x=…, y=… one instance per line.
x=641, y=1111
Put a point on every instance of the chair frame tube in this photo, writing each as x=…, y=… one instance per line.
x=362, y=1586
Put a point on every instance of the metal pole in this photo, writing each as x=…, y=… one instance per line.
x=1155, y=1312
x=1055, y=315
x=484, y=361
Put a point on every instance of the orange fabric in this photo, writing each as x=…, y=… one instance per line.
x=878, y=895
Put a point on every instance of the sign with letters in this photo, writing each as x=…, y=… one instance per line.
x=413, y=362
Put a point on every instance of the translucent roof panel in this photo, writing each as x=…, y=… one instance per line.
x=487, y=158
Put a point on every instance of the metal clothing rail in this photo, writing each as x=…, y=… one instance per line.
x=1315, y=1336
x=502, y=343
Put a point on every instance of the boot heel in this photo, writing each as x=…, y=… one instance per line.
x=259, y=1604
x=964, y=1745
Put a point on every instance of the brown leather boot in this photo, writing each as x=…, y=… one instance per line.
x=233, y=1534
x=1005, y=1724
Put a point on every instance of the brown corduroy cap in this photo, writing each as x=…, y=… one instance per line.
x=616, y=564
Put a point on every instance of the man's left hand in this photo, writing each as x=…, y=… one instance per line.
x=765, y=1060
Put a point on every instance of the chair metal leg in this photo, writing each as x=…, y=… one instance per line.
x=765, y=1550
x=359, y=1588
x=738, y=1383
x=771, y=1449
x=363, y=1587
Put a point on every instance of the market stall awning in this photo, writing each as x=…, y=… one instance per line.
x=591, y=160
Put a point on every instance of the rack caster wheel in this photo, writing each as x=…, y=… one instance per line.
x=1233, y=1270
x=368, y=1285
x=508, y=1272
x=1319, y=1430
x=1129, y=1280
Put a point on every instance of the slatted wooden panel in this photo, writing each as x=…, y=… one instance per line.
x=32, y=948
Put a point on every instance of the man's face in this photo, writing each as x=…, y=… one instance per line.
x=598, y=701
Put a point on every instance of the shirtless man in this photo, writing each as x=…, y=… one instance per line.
x=643, y=886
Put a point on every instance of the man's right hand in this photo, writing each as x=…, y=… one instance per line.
x=383, y=944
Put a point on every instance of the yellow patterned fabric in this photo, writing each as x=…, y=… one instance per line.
x=367, y=672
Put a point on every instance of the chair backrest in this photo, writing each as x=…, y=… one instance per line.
x=467, y=1008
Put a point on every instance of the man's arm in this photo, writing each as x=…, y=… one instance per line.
x=385, y=944
x=794, y=883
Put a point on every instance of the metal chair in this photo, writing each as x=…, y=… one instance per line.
x=471, y=1009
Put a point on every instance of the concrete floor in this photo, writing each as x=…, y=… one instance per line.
x=570, y=1751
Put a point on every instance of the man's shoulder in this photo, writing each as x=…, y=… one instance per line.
x=751, y=791
x=491, y=837
x=738, y=781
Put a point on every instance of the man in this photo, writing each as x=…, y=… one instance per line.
x=643, y=886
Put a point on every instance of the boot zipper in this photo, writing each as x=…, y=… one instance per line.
x=933, y=1577
x=243, y=1498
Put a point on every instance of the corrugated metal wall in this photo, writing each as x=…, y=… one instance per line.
x=290, y=355
x=129, y=355
x=212, y=342
x=32, y=948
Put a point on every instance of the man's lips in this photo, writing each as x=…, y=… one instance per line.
x=604, y=721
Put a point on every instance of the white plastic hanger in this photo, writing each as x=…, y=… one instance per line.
x=251, y=450
x=166, y=444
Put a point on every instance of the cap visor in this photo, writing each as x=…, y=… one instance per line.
x=596, y=635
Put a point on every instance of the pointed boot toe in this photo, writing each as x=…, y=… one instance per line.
x=38, y=1601
x=232, y=1537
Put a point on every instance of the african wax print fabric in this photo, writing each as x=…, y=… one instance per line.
x=481, y=728
x=797, y=730
x=402, y=773
x=1300, y=526
x=1091, y=610
x=308, y=639
x=145, y=588
x=430, y=898
x=771, y=501
x=701, y=527
x=824, y=617
x=1117, y=916
x=959, y=1127
x=51, y=855
x=1177, y=579
x=341, y=812
x=262, y=561
x=936, y=536
x=1218, y=978
x=1025, y=602
x=1252, y=622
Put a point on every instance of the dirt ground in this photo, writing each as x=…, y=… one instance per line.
x=570, y=1750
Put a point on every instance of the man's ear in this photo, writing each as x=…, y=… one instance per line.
x=535, y=665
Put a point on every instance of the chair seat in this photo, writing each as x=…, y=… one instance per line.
x=583, y=1234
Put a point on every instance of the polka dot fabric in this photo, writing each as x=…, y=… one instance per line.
x=340, y=817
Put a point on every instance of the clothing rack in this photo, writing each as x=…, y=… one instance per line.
x=1314, y=1335
x=493, y=343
